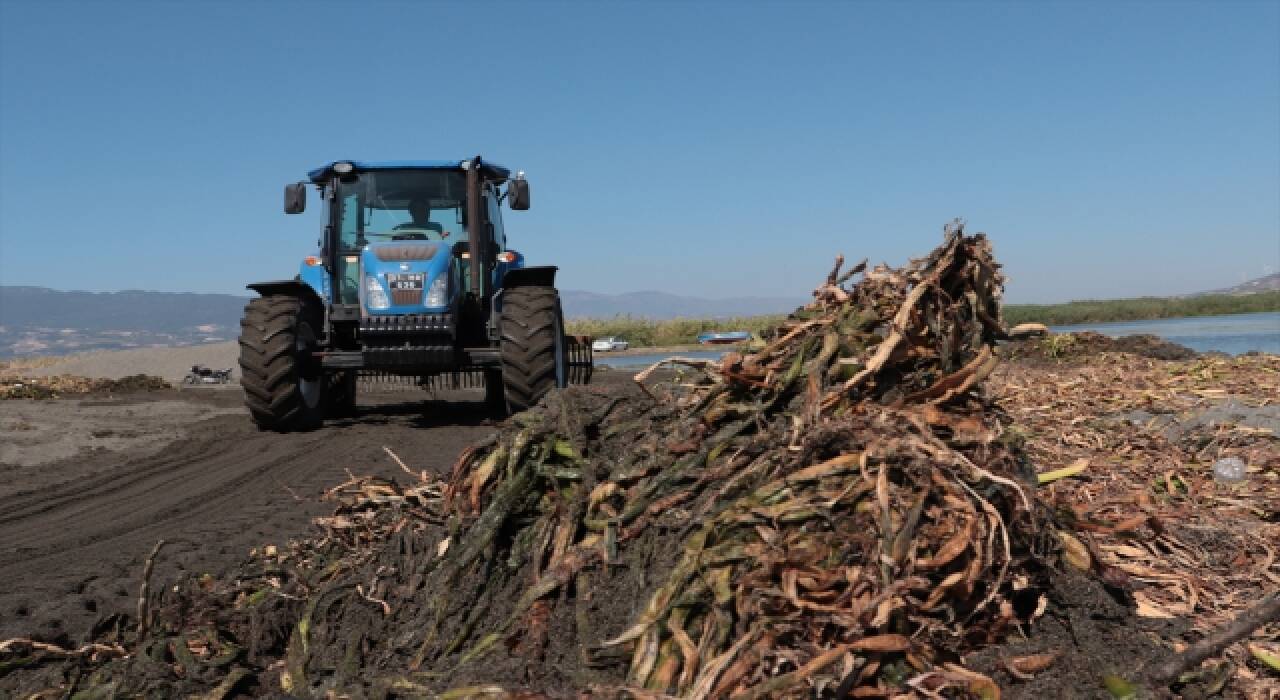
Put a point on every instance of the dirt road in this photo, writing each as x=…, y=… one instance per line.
x=84, y=499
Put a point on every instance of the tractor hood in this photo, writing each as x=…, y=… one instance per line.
x=406, y=277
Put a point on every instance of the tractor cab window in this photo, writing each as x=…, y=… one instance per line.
x=401, y=205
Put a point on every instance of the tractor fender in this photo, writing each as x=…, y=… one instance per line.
x=541, y=276
x=293, y=287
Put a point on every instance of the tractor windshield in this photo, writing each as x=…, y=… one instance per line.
x=401, y=205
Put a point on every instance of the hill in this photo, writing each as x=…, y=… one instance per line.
x=38, y=320
x=1269, y=283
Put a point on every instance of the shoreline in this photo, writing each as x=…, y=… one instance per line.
x=225, y=353
x=1074, y=326
x=1085, y=312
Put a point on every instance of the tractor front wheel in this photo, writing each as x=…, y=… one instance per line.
x=532, y=346
x=284, y=385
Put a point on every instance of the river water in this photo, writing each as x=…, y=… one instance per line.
x=1233, y=334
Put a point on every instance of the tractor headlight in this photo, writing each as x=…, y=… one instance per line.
x=438, y=292
x=375, y=297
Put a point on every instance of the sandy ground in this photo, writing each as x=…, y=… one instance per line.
x=167, y=363
x=38, y=432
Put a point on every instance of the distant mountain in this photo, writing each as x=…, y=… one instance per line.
x=661, y=305
x=1262, y=284
x=42, y=321
x=127, y=310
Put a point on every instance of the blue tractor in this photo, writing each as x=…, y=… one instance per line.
x=413, y=278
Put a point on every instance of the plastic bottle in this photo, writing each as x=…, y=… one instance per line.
x=1229, y=469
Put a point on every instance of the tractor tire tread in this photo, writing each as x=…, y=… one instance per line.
x=268, y=373
x=529, y=324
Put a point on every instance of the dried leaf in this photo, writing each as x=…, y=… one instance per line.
x=1145, y=607
x=1076, y=467
x=881, y=643
x=1266, y=656
x=1033, y=663
x=1076, y=553
x=951, y=549
x=1119, y=688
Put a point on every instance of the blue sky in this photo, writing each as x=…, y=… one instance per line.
x=712, y=149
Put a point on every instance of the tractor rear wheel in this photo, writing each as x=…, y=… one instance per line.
x=284, y=385
x=532, y=346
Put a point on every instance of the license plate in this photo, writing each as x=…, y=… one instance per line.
x=410, y=281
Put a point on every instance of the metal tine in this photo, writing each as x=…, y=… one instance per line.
x=579, y=359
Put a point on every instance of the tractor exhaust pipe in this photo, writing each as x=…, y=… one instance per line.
x=475, y=229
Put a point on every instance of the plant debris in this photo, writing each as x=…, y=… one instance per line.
x=68, y=385
x=1086, y=346
x=1147, y=514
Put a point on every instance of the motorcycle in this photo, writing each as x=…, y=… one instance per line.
x=200, y=374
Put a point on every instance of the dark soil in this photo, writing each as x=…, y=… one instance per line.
x=1094, y=635
x=74, y=534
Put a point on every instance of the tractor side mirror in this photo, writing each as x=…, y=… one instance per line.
x=518, y=194
x=295, y=198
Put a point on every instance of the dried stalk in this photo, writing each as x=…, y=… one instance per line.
x=1267, y=610
x=144, y=595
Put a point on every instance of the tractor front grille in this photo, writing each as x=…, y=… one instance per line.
x=422, y=341
x=406, y=297
x=398, y=324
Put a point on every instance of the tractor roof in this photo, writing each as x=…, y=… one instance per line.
x=492, y=171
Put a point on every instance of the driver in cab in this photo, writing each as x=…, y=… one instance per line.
x=420, y=215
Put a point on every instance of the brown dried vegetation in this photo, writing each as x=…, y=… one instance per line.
x=1145, y=506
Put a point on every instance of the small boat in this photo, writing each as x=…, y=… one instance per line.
x=723, y=337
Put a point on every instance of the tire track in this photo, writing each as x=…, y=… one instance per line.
x=72, y=545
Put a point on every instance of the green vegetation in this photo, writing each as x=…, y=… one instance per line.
x=642, y=332
x=1140, y=309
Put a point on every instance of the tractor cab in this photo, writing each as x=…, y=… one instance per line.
x=397, y=231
